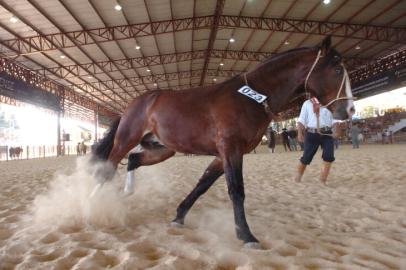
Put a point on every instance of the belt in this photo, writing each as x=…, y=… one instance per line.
x=322, y=130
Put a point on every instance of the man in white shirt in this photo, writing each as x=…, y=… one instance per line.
x=315, y=128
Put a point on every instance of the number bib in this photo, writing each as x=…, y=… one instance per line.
x=252, y=94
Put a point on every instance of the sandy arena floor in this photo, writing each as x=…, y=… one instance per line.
x=358, y=222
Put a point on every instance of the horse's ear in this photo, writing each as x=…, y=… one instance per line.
x=325, y=45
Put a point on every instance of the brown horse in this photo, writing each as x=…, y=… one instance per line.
x=219, y=121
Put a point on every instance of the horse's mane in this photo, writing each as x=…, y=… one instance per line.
x=277, y=56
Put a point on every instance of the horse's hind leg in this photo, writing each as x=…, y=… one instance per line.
x=210, y=175
x=150, y=156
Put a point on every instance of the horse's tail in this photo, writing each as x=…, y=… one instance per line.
x=102, y=149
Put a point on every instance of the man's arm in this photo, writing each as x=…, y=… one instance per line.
x=302, y=121
x=337, y=129
x=300, y=132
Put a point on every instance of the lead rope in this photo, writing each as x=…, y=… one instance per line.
x=311, y=70
x=314, y=101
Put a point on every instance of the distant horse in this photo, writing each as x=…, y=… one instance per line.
x=81, y=149
x=15, y=152
x=218, y=120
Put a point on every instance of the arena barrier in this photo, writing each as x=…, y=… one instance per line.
x=36, y=151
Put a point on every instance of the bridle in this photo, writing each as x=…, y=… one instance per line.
x=345, y=81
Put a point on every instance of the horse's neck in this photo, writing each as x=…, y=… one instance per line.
x=279, y=80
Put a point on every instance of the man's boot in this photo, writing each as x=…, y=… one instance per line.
x=300, y=171
x=325, y=169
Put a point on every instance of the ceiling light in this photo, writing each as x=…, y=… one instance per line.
x=286, y=42
x=148, y=70
x=155, y=84
x=221, y=64
x=326, y=2
x=118, y=7
x=232, y=40
x=13, y=19
x=358, y=47
x=137, y=47
x=62, y=56
x=89, y=77
x=214, y=80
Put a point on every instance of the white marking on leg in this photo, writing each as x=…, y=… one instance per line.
x=175, y=224
x=252, y=245
x=129, y=184
x=95, y=190
x=137, y=149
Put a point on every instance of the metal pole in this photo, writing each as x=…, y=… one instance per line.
x=96, y=124
x=58, y=132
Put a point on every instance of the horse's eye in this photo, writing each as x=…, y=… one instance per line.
x=339, y=70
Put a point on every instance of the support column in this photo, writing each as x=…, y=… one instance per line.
x=96, y=124
x=58, y=132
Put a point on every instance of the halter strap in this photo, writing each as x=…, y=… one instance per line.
x=245, y=78
x=346, y=80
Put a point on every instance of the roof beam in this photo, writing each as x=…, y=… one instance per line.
x=29, y=24
x=212, y=37
x=381, y=13
x=34, y=44
x=59, y=90
x=103, y=99
x=153, y=60
x=332, y=14
x=56, y=24
x=164, y=77
x=248, y=39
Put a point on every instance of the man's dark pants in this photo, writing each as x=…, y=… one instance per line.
x=312, y=141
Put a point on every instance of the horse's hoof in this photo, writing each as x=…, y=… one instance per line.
x=176, y=224
x=128, y=193
x=252, y=245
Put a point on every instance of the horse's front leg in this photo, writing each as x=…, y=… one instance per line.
x=233, y=172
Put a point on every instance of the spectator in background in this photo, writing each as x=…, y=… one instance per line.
x=78, y=147
x=365, y=132
x=355, y=132
x=391, y=137
x=385, y=135
x=285, y=139
x=83, y=148
x=271, y=140
x=292, y=133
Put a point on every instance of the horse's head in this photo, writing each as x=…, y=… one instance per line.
x=328, y=80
